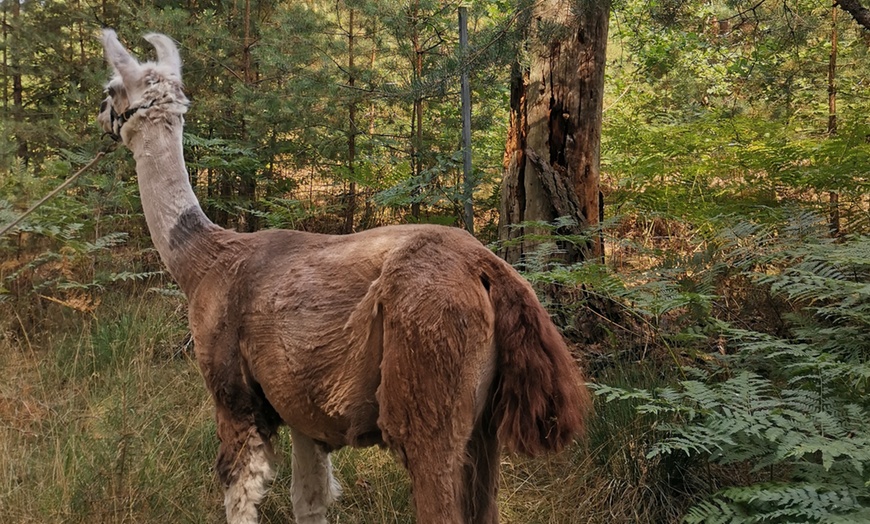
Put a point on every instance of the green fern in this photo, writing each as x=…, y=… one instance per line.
x=781, y=503
x=744, y=419
x=793, y=409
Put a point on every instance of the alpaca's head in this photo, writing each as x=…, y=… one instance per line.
x=137, y=87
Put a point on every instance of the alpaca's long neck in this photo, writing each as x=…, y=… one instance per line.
x=179, y=228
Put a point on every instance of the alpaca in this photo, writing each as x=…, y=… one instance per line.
x=416, y=338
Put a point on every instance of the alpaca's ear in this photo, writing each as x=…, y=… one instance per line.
x=120, y=60
x=167, y=53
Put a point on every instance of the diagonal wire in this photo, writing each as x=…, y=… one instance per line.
x=49, y=196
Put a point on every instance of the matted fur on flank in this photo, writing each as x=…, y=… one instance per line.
x=416, y=337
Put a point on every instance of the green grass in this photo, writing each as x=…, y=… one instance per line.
x=103, y=422
x=104, y=418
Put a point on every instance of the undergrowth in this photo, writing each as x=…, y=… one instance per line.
x=771, y=424
x=103, y=419
x=730, y=362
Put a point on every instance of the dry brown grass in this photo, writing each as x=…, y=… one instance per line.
x=103, y=418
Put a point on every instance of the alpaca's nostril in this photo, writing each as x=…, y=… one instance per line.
x=103, y=106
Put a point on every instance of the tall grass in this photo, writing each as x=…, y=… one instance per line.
x=104, y=418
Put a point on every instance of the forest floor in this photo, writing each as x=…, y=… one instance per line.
x=104, y=418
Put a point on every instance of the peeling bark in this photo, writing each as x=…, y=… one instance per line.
x=513, y=193
x=559, y=193
x=552, y=155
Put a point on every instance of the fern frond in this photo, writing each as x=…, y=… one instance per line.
x=780, y=503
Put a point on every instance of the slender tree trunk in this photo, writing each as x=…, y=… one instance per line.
x=368, y=210
x=467, y=182
x=417, y=112
x=833, y=196
x=5, y=62
x=350, y=206
x=832, y=76
x=17, y=86
x=552, y=158
x=247, y=70
x=83, y=60
x=220, y=189
x=248, y=179
x=83, y=57
x=270, y=168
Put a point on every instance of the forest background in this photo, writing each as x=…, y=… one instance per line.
x=726, y=331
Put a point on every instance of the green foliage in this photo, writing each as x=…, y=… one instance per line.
x=793, y=408
x=796, y=503
x=63, y=252
x=727, y=334
x=279, y=93
x=717, y=153
x=721, y=106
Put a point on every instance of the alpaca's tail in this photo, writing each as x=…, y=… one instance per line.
x=541, y=402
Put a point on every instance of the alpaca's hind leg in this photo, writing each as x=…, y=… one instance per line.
x=436, y=485
x=427, y=399
x=480, y=474
x=313, y=487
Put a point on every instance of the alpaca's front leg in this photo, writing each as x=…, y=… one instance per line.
x=245, y=421
x=248, y=477
x=313, y=487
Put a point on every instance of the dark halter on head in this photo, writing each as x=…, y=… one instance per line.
x=118, y=120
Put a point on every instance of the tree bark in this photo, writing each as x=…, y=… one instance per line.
x=368, y=209
x=854, y=7
x=552, y=157
x=417, y=112
x=465, y=88
x=5, y=62
x=832, y=76
x=248, y=179
x=350, y=204
x=833, y=196
x=17, y=86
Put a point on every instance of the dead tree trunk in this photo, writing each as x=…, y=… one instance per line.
x=552, y=155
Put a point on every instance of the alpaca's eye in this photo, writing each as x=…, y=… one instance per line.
x=110, y=91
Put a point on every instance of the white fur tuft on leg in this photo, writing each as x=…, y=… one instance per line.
x=334, y=484
x=313, y=487
x=249, y=488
